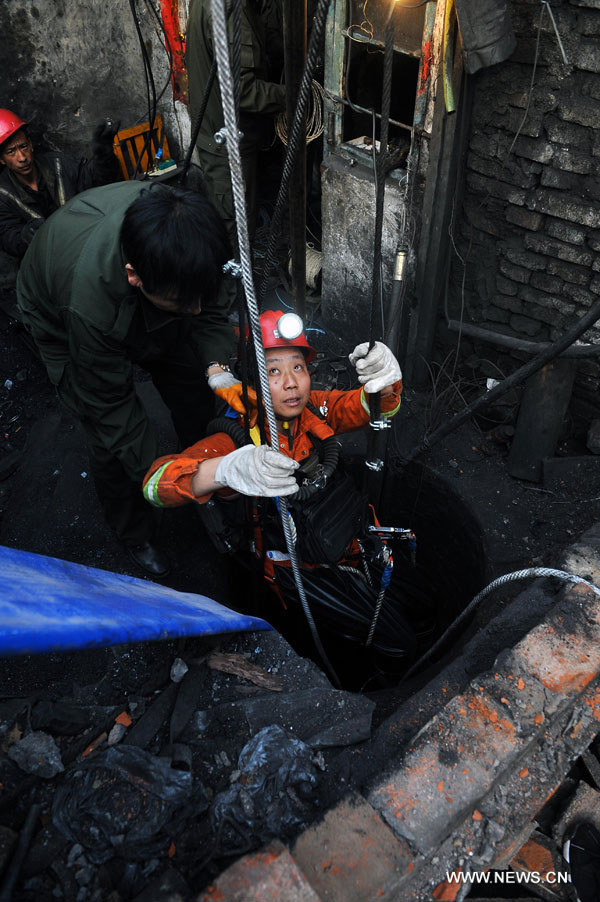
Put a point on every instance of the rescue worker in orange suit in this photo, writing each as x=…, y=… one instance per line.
x=304, y=419
x=32, y=186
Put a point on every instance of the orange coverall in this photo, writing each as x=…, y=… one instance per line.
x=168, y=481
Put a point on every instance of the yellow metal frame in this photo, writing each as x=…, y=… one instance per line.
x=129, y=145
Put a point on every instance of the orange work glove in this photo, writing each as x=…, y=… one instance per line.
x=232, y=395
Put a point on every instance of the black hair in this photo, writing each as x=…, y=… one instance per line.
x=176, y=242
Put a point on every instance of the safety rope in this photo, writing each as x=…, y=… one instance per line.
x=239, y=200
x=529, y=573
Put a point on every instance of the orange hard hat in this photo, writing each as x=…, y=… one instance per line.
x=9, y=124
x=284, y=330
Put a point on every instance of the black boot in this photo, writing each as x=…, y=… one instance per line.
x=149, y=558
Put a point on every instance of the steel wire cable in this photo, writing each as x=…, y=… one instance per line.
x=239, y=200
x=297, y=134
x=529, y=573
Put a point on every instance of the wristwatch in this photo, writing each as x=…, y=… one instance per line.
x=224, y=366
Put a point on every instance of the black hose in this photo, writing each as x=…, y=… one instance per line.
x=198, y=123
x=331, y=455
x=230, y=427
x=540, y=360
x=518, y=344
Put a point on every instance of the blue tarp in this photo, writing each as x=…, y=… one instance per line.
x=47, y=604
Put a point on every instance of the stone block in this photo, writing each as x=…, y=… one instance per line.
x=583, y=111
x=563, y=307
x=452, y=762
x=524, y=325
x=506, y=286
x=527, y=219
x=588, y=24
x=270, y=873
x=590, y=4
x=496, y=315
x=564, y=231
x=511, y=174
x=561, y=207
x=481, y=220
x=563, y=653
x=546, y=100
x=544, y=282
x=487, y=186
x=516, y=273
x=578, y=275
x=484, y=145
x=512, y=120
x=580, y=295
x=540, y=151
x=587, y=57
x=568, y=134
x=595, y=285
x=539, y=305
x=508, y=303
x=558, y=249
x=556, y=178
x=351, y=855
x=571, y=161
x=525, y=259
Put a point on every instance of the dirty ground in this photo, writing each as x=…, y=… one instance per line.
x=79, y=730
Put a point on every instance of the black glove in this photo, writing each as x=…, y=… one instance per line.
x=102, y=139
x=30, y=228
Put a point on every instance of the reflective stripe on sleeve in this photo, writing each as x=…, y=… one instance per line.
x=151, y=487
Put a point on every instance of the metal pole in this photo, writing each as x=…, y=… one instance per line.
x=294, y=43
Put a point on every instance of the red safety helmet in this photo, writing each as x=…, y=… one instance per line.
x=284, y=330
x=9, y=124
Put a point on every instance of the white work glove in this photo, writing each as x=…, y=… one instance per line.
x=222, y=380
x=260, y=471
x=377, y=368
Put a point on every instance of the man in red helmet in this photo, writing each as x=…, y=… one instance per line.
x=34, y=186
x=214, y=463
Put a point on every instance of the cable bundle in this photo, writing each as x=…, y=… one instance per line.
x=314, y=121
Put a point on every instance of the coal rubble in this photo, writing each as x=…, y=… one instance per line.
x=140, y=773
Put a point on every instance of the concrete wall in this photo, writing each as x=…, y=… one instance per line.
x=348, y=213
x=529, y=229
x=67, y=65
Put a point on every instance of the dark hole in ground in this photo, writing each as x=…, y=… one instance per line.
x=451, y=567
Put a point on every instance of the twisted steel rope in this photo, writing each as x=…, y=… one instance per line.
x=239, y=200
x=529, y=573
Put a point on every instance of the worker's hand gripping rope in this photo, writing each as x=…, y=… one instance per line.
x=377, y=368
x=258, y=471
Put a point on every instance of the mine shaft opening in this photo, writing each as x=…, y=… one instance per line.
x=449, y=570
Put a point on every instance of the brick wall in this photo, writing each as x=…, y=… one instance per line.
x=529, y=227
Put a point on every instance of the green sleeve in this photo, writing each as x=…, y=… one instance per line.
x=211, y=335
x=101, y=384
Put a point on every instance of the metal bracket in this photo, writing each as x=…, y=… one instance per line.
x=375, y=465
x=221, y=136
x=390, y=531
x=379, y=425
x=233, y=268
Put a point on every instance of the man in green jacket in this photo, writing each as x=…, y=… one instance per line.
x=121, y=275
x=260, y=99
